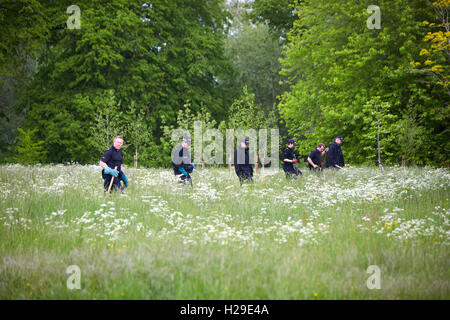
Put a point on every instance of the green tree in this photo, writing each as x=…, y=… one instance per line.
x=245, y=114
x=109, y=122
x=376, y=121
x=254, y=54
x=24, y=26
x=137, y=131
x=410, y=138
x=437, y=51
x=278, y=14
x=29, y=150
x=337, y=65
x=157, y=55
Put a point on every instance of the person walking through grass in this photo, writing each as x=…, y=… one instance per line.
x=335, y=158
x=315, y=157
x=242, y=165
x=289, y=160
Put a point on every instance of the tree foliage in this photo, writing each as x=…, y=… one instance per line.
x=437, y=50
x=337, y=65
x=157, y=56
x=29, y=150
x=254, y=55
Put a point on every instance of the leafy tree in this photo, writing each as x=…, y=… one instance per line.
x=336, y=66
x=156, y=55
x=254, y=55
x=24, y=26
x=29, y=150
x=109, y=122
x=410, y=138
x=137, y=131
x=437, y=51
x=244, y=113
x=376, y=121
x=278, y=14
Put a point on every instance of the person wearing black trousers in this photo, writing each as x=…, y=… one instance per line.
x=242, y=166
x=181, y=161
x=315, y=157
x=289, y=160
x=335, y=158
x=111, y=164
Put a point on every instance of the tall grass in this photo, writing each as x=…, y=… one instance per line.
x=311, y=238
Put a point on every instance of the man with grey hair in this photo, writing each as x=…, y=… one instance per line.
x=111, y=164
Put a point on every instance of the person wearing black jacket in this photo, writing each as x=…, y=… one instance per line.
x=111, y=164
x=335, y=158
x=315, y=157
x=242, y=166
x=289, y=159
x=181, y=161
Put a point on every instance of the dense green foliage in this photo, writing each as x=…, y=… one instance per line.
x=154, y=57
x=340, y=70
x=133, y=66
x=254, y=54
x=29, y=150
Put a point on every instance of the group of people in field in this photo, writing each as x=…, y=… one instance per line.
x=115, y=178
x=334, y=160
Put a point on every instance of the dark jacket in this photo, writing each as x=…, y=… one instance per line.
x=242, y=164
x=316, y=158
x=181, y=158
x=334, y=155
x=288, y=154
x=113, y=158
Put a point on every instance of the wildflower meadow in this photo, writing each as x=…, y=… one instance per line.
x=316, y=237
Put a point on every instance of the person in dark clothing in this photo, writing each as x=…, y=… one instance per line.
x=112, y=166
x=242, y=166
x=315, y=158
x=289, y=160
x=335, y=158
x=181, y=161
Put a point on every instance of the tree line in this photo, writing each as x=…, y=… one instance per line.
x=140, y=69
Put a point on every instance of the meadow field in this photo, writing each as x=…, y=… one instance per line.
x=311, y=238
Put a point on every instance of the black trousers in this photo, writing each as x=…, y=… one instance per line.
x=244, y=175
x=292, y=172
x=189, y=168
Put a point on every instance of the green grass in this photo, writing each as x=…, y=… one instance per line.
x=311, y=238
